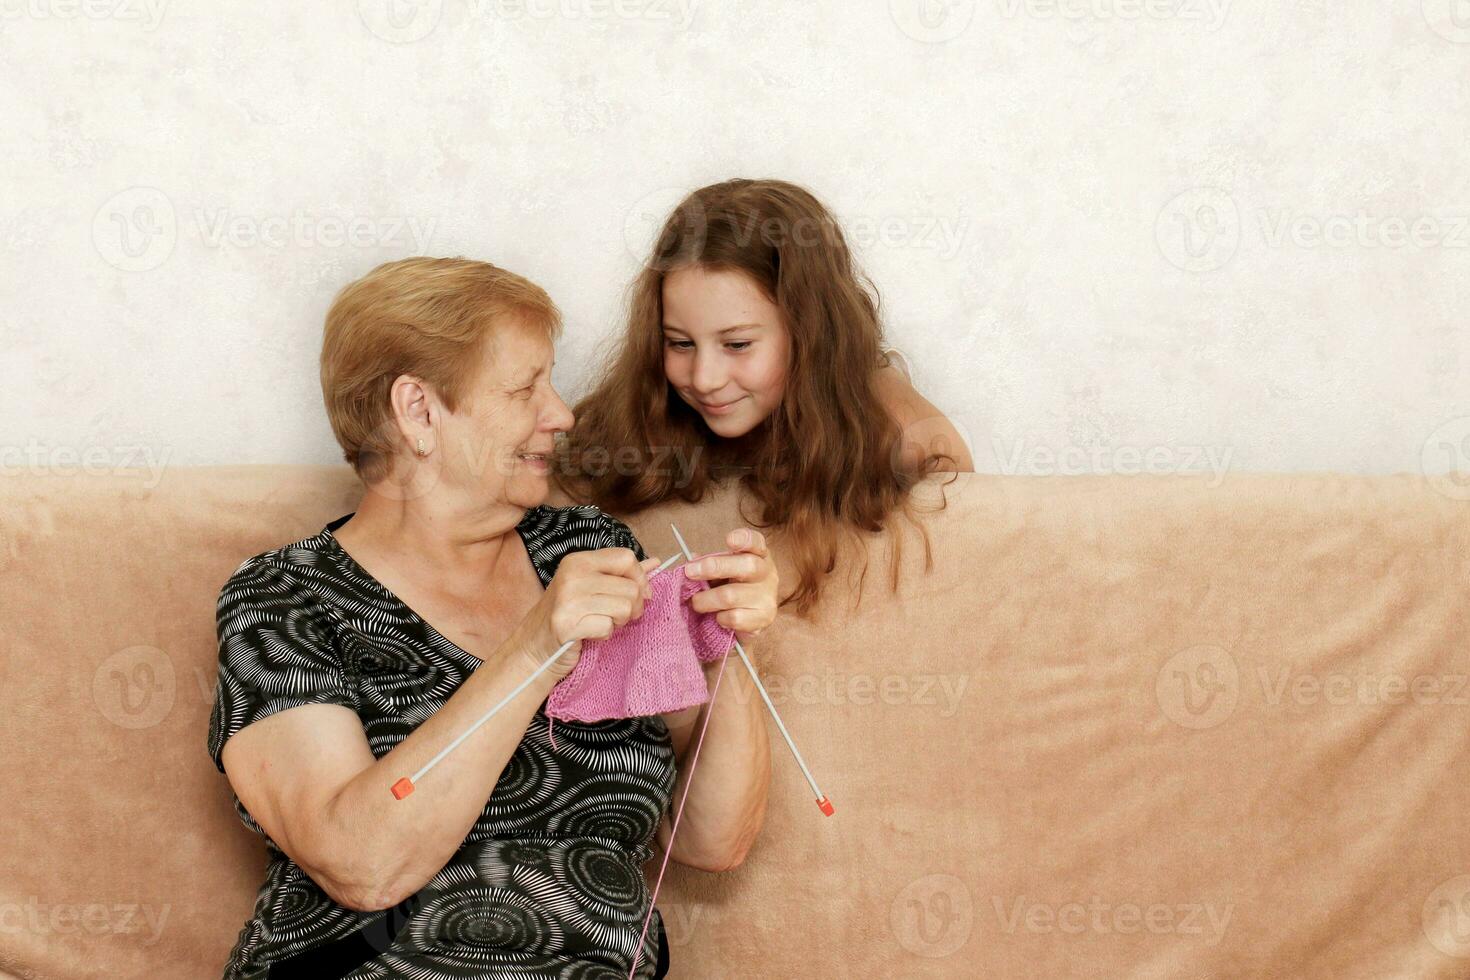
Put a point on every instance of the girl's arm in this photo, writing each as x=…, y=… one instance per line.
x=729, y=792
x=728, y=789
x=925, y=429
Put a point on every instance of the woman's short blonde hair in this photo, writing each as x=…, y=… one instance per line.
x=426, y=317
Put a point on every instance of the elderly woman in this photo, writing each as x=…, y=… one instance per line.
x=352, y=657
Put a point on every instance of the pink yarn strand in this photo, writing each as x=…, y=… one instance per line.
x=693, y=761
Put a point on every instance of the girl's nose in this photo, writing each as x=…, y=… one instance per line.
x=709, y=374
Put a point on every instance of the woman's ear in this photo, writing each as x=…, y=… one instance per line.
x=410, y=401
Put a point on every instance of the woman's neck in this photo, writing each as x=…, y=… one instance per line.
x=430, y=537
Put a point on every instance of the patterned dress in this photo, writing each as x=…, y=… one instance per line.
x=548, y=882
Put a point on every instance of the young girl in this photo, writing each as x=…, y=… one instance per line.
x=753, y=351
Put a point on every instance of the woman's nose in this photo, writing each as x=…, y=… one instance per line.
x=559, y=415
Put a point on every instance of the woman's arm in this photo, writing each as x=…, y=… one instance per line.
x=925, y=429
x=309, y=779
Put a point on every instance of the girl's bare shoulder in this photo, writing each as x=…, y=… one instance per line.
x=925, y=427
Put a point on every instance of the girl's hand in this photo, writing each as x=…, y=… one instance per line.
x=746, y=603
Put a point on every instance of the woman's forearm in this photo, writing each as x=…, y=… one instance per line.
x=731, y=779
x=401, y=844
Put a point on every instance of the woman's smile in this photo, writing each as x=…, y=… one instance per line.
x=539, y=462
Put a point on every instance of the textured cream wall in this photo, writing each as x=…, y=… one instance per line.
x=1111, y=235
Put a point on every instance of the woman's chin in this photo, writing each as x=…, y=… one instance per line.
x=529, y=490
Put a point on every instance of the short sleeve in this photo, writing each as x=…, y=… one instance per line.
x=622, y=536
x=889, y=353
x=275, y=652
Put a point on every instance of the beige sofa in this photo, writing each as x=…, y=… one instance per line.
x=1143, y=727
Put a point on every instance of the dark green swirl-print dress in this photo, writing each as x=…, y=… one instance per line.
x=549, y=881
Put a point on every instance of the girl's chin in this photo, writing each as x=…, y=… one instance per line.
x=728, y=428
x=734, y=425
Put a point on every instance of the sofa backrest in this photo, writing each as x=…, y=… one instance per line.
x=1125, y=726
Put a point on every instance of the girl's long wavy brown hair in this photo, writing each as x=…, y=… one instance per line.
x=826, y=463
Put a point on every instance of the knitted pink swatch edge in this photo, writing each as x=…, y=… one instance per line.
x=646, y=667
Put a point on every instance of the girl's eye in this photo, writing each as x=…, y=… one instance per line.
x=737, y=345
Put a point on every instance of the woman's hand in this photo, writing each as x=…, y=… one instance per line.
x=591, y=594
x=746, y=603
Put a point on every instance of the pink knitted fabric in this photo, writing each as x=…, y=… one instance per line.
x=648, y=666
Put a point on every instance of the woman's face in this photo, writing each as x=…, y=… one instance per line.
x=511, y=413
x=725, y=348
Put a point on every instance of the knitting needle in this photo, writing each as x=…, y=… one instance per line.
x=667, y=562
x=405, y=785
x=822, y=802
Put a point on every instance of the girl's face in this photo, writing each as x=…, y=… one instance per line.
x=725, y=348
